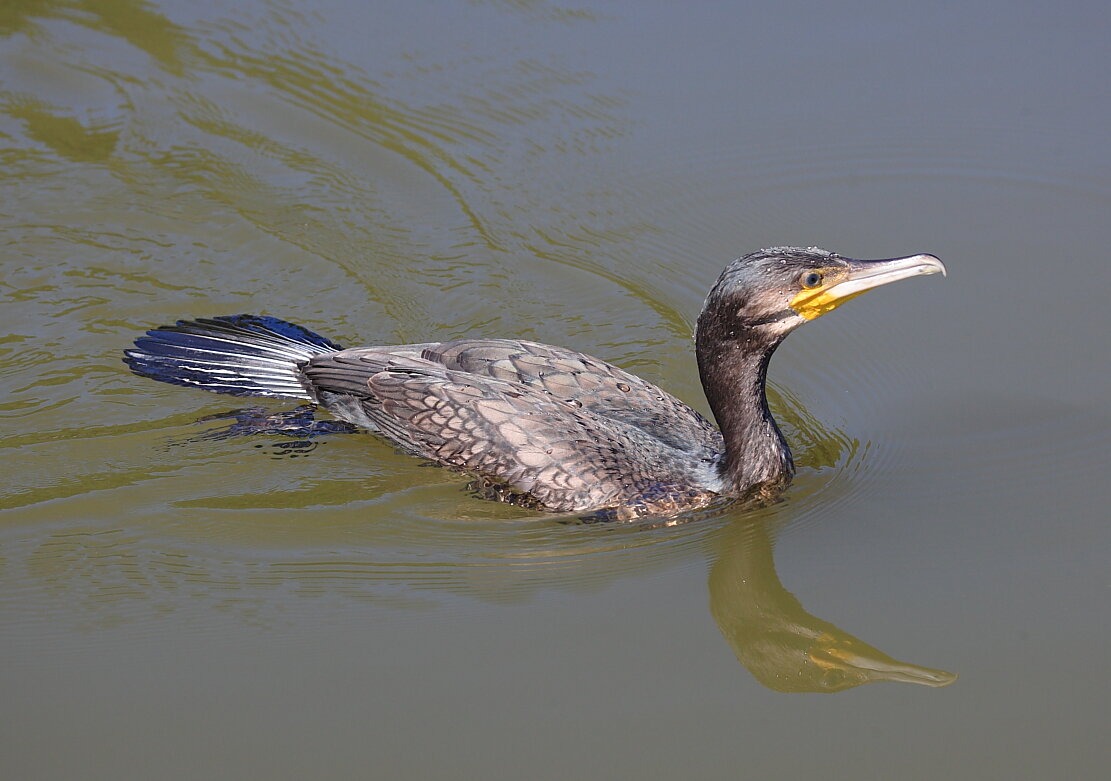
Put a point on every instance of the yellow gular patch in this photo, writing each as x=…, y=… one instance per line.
x=820, y=300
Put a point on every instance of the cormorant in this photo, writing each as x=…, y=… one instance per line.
x=547, y=427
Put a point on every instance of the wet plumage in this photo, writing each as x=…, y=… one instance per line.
x=544, y=426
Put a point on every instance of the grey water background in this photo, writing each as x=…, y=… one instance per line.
x=173, y=606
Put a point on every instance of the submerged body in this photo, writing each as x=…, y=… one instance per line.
x=543, y=426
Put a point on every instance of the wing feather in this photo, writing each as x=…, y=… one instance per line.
x=598, y=386
x=574, y=432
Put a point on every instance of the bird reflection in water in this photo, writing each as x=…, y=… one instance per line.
x=784, y=647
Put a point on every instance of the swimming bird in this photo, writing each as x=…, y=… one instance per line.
x=548, y=427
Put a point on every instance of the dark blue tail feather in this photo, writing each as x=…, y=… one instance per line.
x=241, y=355
x=262, y=325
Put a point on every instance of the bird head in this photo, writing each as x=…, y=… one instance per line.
x=776, y=290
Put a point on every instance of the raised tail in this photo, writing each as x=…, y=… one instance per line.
x=244, y=355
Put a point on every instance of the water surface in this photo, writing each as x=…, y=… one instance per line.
x=178, y=606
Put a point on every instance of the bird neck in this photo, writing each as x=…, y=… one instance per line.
x=734, y=369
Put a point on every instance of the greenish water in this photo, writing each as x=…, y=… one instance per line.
x=179, y=607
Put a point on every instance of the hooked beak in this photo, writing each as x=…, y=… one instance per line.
x=860, y=276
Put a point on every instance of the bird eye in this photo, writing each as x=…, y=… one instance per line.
x=810, y=280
